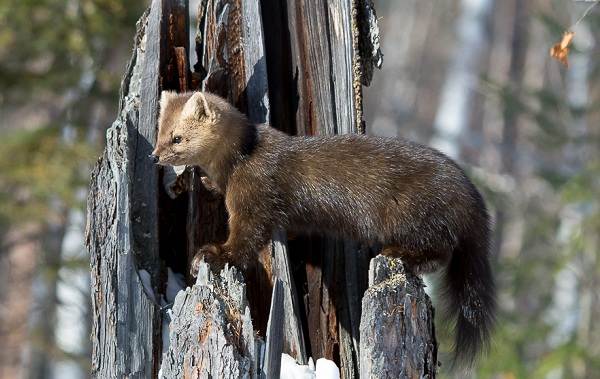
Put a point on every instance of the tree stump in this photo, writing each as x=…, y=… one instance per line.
x=211, y=333
x=397, y=336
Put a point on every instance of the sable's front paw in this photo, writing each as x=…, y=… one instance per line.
x=213, y=255
x=210, y=186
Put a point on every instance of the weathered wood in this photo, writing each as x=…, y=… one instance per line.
x=342, y=55
x=211, y=333
x=125, y=321
x=255, y=63
x=123, y=225
x=274, y=337
x=174, y=73
x=293, y=334
x=182, y=68
x=397, y=338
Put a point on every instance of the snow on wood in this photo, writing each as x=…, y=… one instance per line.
x=292, y=370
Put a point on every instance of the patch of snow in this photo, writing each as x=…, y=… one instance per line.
x=291, y=370
x=325, y=369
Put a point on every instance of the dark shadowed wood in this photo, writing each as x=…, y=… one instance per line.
x=282, y=85
x=144, y=174
x=366, y=40
x=293, y=334
x=175, y=76
x=274, y=336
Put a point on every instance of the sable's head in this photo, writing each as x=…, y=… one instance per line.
x=192, y=127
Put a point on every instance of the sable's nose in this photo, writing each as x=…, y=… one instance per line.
x=154, y=158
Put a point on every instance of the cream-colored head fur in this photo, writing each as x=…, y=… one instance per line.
x=196, y=128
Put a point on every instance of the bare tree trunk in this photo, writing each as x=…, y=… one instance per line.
x=126, y=324
x=45, y=302
x=18, y=261
x=457, y=94
x=303, y=71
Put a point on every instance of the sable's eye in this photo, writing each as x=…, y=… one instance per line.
x=176, y=139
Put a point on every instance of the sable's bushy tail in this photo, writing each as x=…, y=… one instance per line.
x=470, y=296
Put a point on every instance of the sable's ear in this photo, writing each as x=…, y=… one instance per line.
x=165, y=97
x=196, y=107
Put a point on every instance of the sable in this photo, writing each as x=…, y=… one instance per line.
x=413, y=200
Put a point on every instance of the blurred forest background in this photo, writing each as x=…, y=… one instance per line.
x=470, y=77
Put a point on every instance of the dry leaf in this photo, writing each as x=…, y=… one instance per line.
x=560, y=51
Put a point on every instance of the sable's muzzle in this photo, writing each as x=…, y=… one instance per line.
x=154, y=158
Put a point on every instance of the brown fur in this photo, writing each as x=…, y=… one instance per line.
x=412, y=199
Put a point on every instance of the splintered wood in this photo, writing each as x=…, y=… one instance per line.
x=211, y=333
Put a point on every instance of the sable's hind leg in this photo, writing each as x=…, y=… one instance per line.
x=247, y=236
x=419, y=262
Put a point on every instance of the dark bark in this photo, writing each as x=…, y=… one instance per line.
x=397, y=337
x=275, y=336
x=43, y=318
